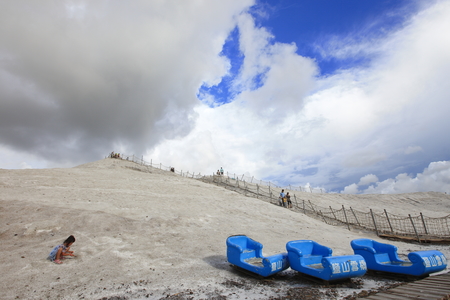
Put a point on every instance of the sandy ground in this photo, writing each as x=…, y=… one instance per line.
x=152, y=234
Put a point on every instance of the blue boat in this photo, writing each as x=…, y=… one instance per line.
x=383, y=257
x=316, y=260
x=246, y=253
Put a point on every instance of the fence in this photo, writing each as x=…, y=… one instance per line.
x=420, y=228
x=160, y=166
x=232, y=176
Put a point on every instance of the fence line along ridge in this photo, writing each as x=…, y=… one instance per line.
x=419, y=228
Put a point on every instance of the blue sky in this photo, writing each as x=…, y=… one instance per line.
x=310, y=25
x=346, y=96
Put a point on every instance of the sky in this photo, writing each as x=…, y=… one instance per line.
x=347, y=96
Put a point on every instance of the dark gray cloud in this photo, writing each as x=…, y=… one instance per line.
x=79, y=79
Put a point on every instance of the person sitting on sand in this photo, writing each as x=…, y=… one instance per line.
x=62, y=250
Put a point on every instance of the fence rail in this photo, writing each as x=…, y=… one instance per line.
x=420, y=228
x=141, y=161
x=160, y=166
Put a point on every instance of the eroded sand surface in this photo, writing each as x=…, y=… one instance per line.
x=146, y=233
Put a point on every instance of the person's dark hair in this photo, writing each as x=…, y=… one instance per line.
x=70, y=239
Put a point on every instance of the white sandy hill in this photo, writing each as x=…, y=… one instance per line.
x=149, y=233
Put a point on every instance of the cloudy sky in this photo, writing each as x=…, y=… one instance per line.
x=349, y=96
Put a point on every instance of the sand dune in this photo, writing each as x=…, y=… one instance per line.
x=150, y=233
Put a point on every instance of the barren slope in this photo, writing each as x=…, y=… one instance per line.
x=141, y=232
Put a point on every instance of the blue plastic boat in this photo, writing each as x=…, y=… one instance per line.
x=383, y=257
x=313, y=259
x=246, y=253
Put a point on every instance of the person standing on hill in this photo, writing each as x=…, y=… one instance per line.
x=221, y=171
x=282, y=198
x=289, y=202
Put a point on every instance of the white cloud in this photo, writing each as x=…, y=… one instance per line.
x=369, y=178
x=328, y=132
x=24, y=165
x=434, y=178
x=351, y=189
x=21, y=160
x=286, y=76
x=80, y=79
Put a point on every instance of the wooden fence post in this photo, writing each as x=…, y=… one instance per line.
x=333, y=213
x=345, y=215
x=357, y=221
x=417, y=235
x=389, y=221
x=312, y=206
x=320, y=213
x=423, y=222
x=374, y=223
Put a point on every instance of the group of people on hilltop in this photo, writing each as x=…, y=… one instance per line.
x=114, y=155
x=285, y=199
x=219, y=172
